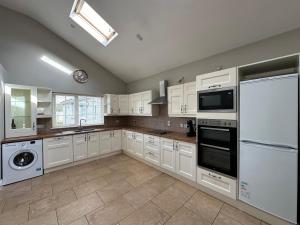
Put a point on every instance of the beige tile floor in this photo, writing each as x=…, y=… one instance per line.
x=114, y=191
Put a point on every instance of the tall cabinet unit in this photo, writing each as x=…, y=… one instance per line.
x=182, y=100
x=20, y=110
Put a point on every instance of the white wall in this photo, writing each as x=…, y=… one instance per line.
x=22, y=43
x=280, y=45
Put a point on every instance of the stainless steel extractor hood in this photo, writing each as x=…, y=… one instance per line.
x=162, y=99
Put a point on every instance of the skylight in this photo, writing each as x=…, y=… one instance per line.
x=86, y=17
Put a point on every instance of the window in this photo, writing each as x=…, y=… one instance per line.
x=86, y=17
x=69, y=109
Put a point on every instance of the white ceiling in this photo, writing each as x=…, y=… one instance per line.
x=175, y=32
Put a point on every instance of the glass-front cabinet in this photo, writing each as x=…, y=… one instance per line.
x=20, y=110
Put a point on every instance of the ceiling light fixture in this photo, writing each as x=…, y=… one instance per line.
x=86, y=17
x=56, y=65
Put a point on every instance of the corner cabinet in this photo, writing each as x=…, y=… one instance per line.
x=57, y=151
x=20, y=110
x=217, y=79
x=182, y=100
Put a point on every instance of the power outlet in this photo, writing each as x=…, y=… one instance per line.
x=169, y=123
x=181, y=125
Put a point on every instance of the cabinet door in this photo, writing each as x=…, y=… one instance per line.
x=146, y=107
x=130, y=142
x=105, y=142
x=20, y=110
x=114, y=104
x=168, y=156
x=175, y=100
x=111, y=104
x=218, y=79
x=116, y=140
x=138, y=144
x=190, y=99
x=124, y=140
x=57, y=151
x=137, y=104
x=93, y=144
x=80, y=146
x=123, y=105
x=186, y=160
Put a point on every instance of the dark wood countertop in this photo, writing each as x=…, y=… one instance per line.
x=169, y=134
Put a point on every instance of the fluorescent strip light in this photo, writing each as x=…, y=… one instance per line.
x=56, y=64
x=86, y=17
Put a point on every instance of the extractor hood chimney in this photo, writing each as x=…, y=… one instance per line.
x=162, y=99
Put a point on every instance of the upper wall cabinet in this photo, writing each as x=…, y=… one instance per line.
x=135, y=104
x=111, y=104
x=123, y=104
x=20, y=110
x=218, y=79
x=182, y=100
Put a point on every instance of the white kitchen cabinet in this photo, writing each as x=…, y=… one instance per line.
x=57, y=151
x=124, y=140
x=179, y=157
x=186, y=159
x=190, y=99
x=123, y=105
x=217, y=79
x=136, y=104
x=130, y=142
x=93, y=144
x=146, y=108
x=138, y=144
x=217, y=182
x=105, y=142
x=152, y=149
x=116, y=140
x=20, y=110
x=168, y=154
x=182, y=100
x=80, y=147
x=111, y=104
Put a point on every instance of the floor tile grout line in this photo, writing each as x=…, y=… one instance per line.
x=217, y=214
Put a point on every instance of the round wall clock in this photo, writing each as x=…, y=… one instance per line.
x=80, y=76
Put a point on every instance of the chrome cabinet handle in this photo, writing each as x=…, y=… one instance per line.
x=33, y=126
x=181, y=109
x=185, y=106
x=89, y=137
x=214, y=176
x=215, y=86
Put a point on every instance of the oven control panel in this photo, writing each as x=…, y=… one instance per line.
x=217, y=123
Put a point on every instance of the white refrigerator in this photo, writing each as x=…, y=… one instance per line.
x=268, y=164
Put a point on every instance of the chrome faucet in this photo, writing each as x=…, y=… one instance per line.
x=80, y=125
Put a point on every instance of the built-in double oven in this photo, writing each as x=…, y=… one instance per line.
x=217, y=145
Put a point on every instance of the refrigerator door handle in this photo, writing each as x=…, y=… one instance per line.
x=269, y=145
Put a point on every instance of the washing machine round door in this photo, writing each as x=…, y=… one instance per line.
x=23, y=159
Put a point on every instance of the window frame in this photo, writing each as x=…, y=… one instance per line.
x=76, y=110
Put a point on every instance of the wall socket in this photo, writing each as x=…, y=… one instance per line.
x=183, y=125
x=169, y=123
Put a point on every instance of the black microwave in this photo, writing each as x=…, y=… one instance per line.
x=217, y=100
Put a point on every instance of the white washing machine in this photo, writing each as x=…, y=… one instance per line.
x=22, y=160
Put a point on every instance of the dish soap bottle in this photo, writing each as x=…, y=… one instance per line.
x=13, y=125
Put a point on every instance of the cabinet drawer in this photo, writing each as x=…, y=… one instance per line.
x=58, y=140
x=152, y=155
x=151, y=140
x=217, y=182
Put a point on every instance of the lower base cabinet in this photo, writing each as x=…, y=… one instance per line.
x=152, y=149
x=179, y=157
x=124, y=140
x=57, y=151
x=93, y=144
x=110, y=141
x=135, y=143
x=80, y=147
x=217, y=182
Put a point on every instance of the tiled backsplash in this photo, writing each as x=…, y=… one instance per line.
x=154, y=122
